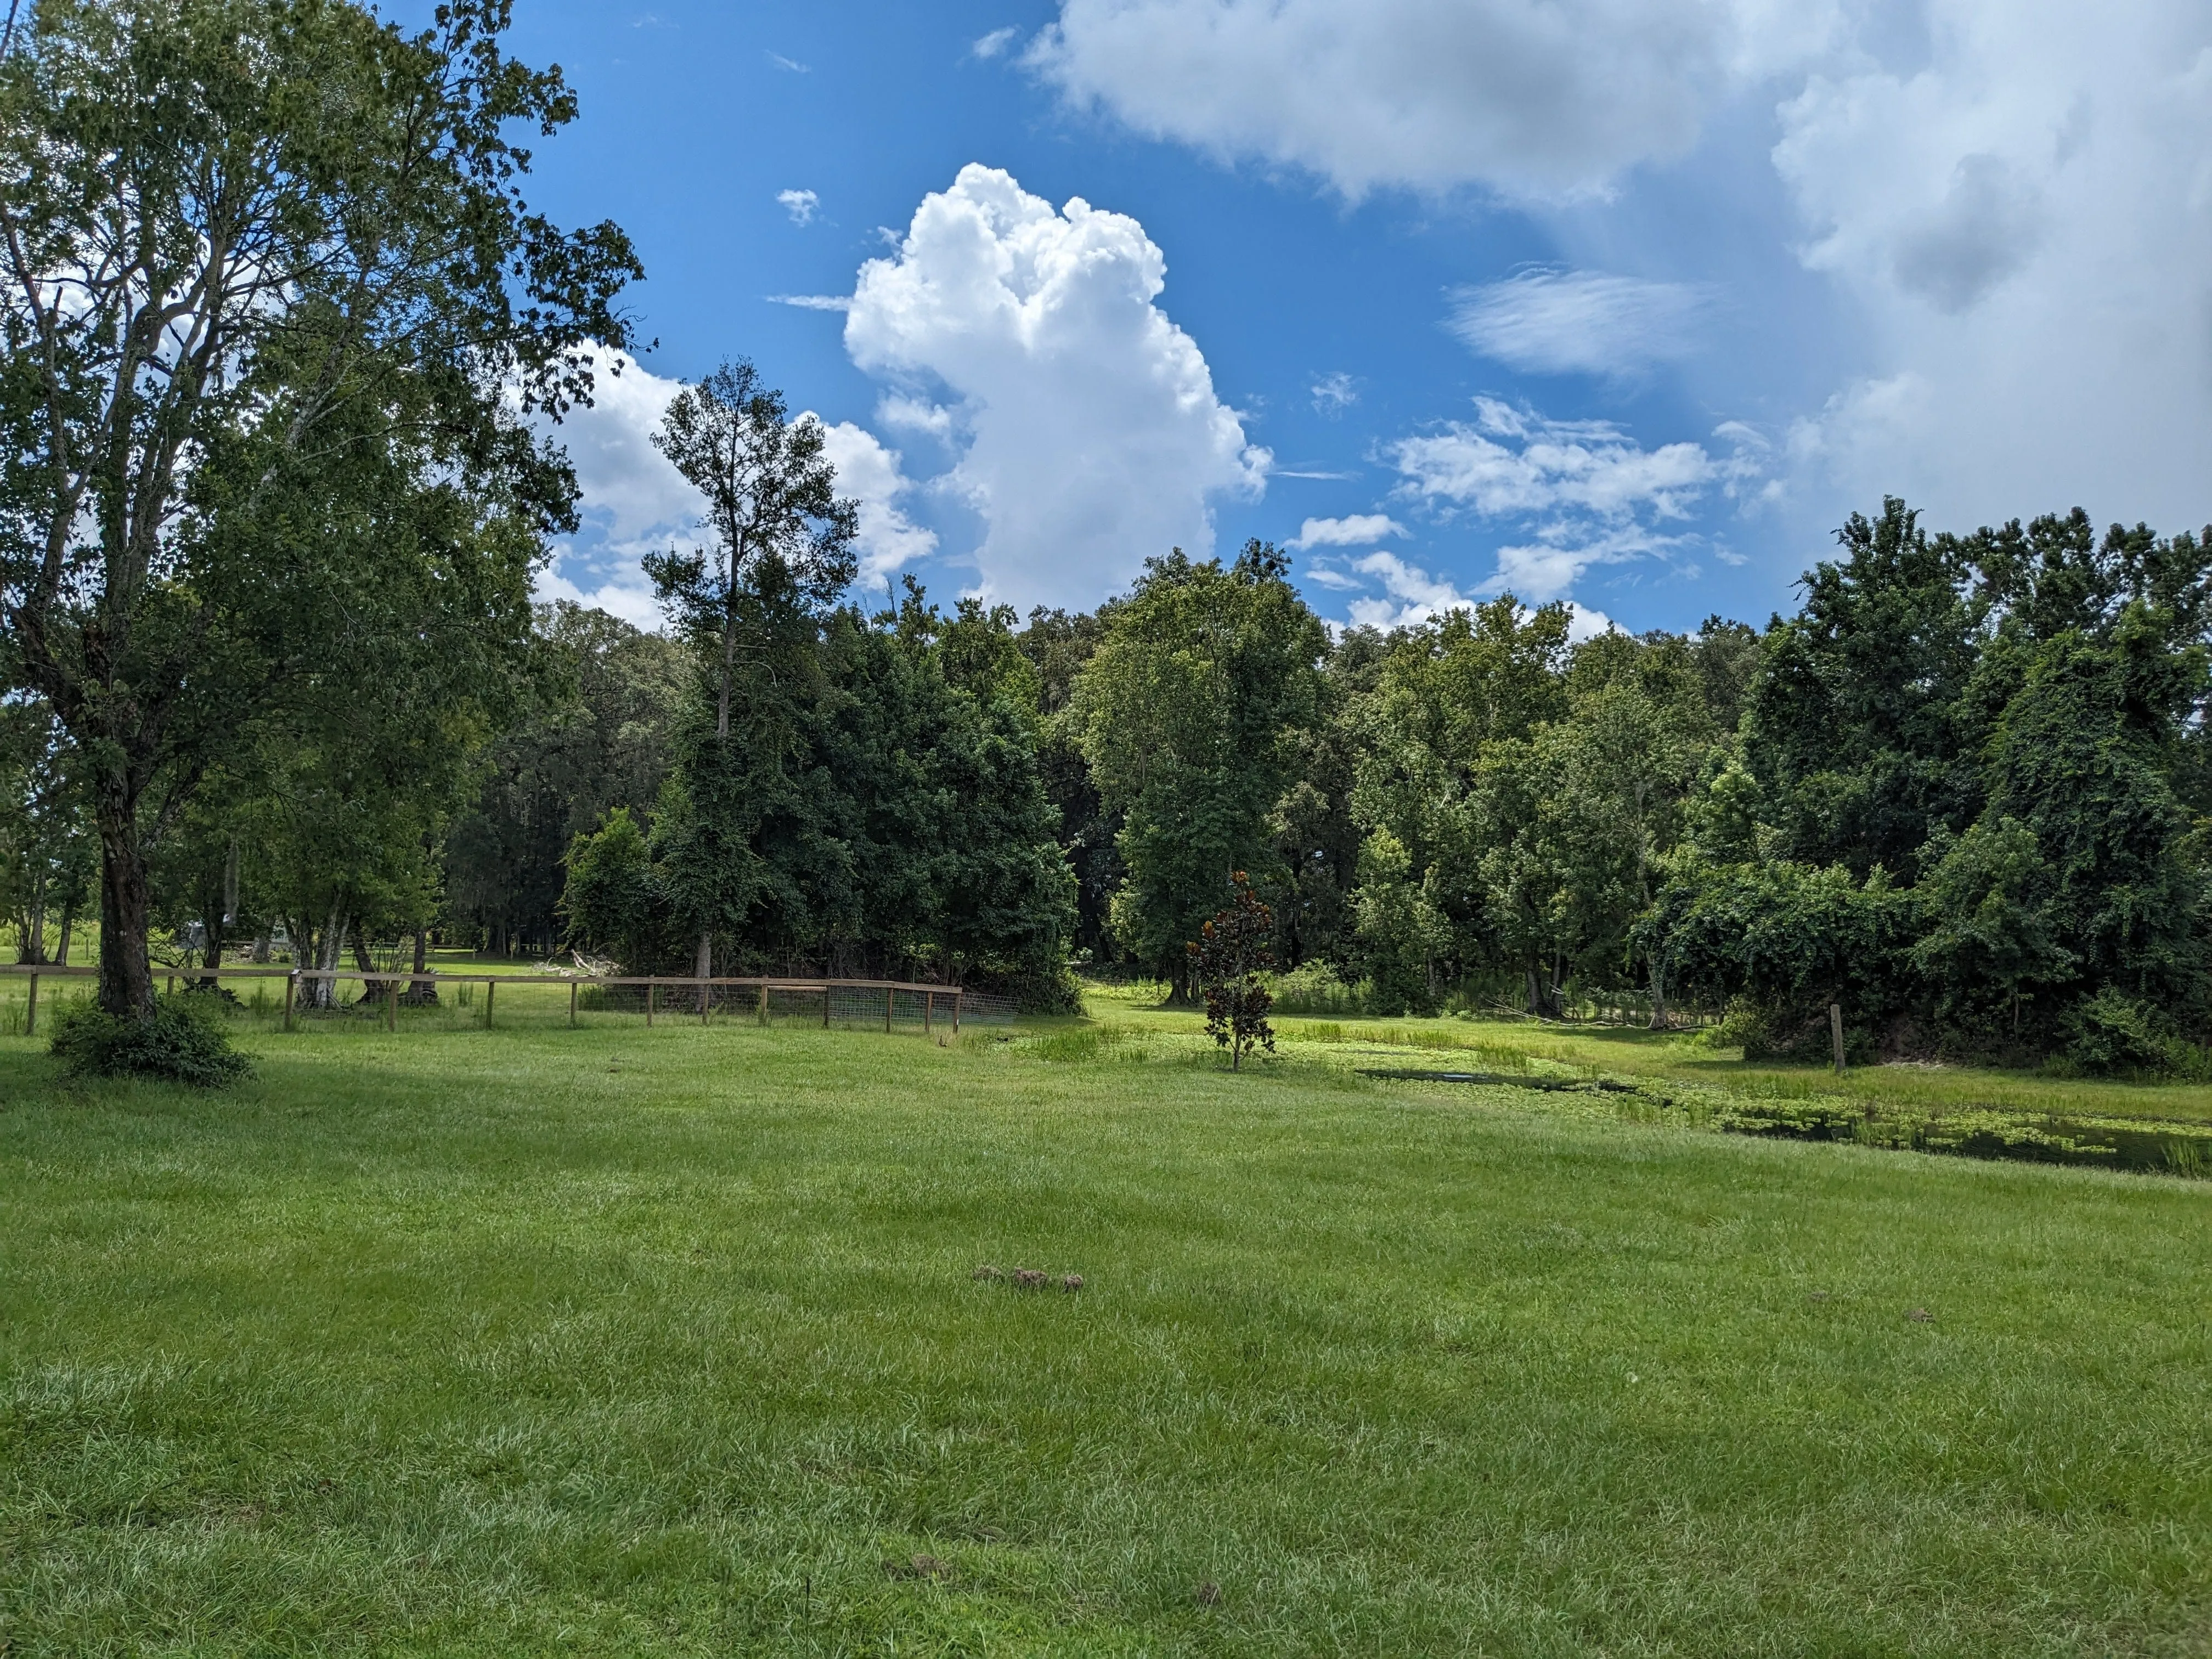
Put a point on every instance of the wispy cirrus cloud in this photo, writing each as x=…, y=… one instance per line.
x=1588, y=322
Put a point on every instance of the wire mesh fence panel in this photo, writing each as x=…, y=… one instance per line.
x=397, y=1000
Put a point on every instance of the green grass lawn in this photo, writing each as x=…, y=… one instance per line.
x=618, y=1342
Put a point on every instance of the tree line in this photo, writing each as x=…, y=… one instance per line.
x=284, y=341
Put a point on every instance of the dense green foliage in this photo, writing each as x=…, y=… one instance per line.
x=864, y=813
x=276, y=313
x=182, y=1042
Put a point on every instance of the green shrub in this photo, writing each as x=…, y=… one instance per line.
x=1316, y=988
x=183, y=1043
x=1743, y=1026
x=2111, y=1035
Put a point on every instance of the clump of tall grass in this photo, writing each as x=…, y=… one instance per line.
x=1079, y=1044
x=1316, y=988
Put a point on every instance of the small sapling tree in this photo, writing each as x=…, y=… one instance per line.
x=1227, y=959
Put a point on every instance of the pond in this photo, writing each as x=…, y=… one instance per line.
x=2143, y=1145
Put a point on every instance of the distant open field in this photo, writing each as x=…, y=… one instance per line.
x=616, y=1342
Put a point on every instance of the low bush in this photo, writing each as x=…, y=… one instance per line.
x=182, y=1042
x=1316, y=988
x=2111, y=1035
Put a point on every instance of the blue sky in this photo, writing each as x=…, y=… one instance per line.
x=1622, y=301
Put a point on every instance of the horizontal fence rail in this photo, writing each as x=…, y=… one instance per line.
x=663, y=996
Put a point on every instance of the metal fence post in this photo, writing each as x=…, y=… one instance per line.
x=31, y=1018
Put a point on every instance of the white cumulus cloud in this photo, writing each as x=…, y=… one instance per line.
x=1411, y=594
x=1513, y=461
x=800, y=204
x=1584, y=492
x=1533, y=98
x=1551, y=322
x=1088, y=432
x=1344, y=532
x=870, y=474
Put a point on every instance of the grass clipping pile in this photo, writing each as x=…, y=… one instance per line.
x=181, y=1043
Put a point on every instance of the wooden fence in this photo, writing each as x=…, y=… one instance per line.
x=702, y=990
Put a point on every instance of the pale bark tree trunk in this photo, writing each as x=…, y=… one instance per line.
x=32, y=947
x=333, y=942
x=1659, y=1019
x=706, y=966
x=69, y=927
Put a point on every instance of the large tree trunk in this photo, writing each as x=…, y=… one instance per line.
x=69, y=927
x=126, y=976
x=372, y=990
x=1543, y=997
x=1659, y=1019
x=706, y=966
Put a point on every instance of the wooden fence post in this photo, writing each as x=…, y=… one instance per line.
x=572, y=1005
x=826, y=1005
x=1836, y=1033
x=650, y=986
x=291, y=988
x=763, y=1002
x=31, y=1017
x=956, y=995
x=890, y=996
x=706, y=999
x=391, y=1005
x=490, y=985
x=928, y=1008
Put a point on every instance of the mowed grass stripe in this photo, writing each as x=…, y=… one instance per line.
x=596, y=1342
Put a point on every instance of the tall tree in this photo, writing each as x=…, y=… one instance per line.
x=240, y=238
x=1189, y=712
x=779, y=549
